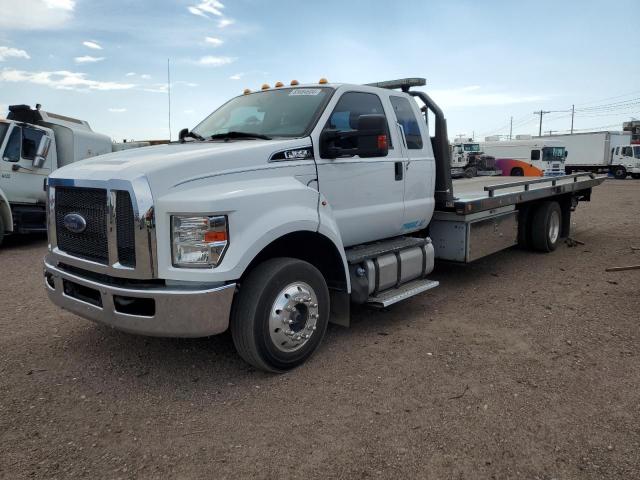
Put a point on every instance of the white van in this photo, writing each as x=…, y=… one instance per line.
x=530, y=158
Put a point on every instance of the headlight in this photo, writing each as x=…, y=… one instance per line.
x=198, y=242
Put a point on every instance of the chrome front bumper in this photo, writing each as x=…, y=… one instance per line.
x=164, y=312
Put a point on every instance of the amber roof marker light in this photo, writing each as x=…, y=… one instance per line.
x=246, y=91
x=322, y=81
x=279, y=84
x=295, y=83
x=265, y=86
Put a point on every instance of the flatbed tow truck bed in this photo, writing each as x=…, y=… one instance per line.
x=487, y=214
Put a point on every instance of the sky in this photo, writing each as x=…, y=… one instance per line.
x=485, y=62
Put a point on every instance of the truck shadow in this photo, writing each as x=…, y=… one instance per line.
x=24, y=241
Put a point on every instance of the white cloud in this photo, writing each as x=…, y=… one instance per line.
x=92, y=45
x=8, y=52
x=206, y=7
x=145, y=76
x=472, y=96
x=130, y=74
x=35, y=14
x=60, y=80
x=216, y=42
x=225, y=22
x=88, y=59
x=236, y=76
x=117, y=110
x=212, y=61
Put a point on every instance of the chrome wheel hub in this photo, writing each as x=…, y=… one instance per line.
x=293, y=317
x=554, y=227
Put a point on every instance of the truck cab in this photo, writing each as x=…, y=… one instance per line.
x=34, y=143
x=625, y=160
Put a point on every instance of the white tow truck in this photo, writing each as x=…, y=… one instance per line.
x=280, y=210
x=34, y=143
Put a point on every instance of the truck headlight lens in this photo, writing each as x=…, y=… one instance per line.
x=198, y=242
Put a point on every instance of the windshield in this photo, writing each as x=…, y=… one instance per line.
x=471, y=147
x=3, y=131
x=286, y=112
x=553, y=153
x=636, y=151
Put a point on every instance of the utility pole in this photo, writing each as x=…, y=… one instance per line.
x=573, y=112
x=510, y=127
x=169, y=94
x=550, y=132
x=541, y=113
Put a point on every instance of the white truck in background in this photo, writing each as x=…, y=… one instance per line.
x=34, y=143
x=277, y=212
x=528, y=157
x=468, y=160
x=600, y=152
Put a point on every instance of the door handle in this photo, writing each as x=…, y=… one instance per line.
x=398, y=170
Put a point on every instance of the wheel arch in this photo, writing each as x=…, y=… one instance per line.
x=5, y=212
x=309, y=246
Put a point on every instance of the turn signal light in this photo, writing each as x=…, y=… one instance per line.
x=265, y=86
x=382, y=142
x=322, y=81
x=213, y=236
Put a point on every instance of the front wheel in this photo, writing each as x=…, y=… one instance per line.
x=280, y=314
x=635, y=176
x=517, y=172
x=620, y=173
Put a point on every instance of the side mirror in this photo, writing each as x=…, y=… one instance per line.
x=184, y=133
x=566, y=153
x=41, y=154
x=369, y=140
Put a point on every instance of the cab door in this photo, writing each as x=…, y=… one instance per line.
x=419, y=166
x=20, y=180
x=365, y=194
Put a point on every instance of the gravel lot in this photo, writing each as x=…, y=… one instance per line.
x=521, y=365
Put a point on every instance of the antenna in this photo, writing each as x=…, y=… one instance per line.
x=169, y=94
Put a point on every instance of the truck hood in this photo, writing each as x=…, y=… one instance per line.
x=166, y=166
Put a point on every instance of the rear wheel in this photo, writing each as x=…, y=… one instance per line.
x=1, y=230
x=635, y=176
x=517, y=172
x=470, y=172
x=546, y=226
x=620, y=172
x=280, y=314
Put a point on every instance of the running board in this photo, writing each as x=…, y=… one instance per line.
x=395, y=295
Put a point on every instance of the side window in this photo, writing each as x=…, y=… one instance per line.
x=535, y=154
x=626, y=152
x=349, y=108
x=407, y=119
x=30, y=141
x=12, y=152
x=636, y=152
x=617, y=150
x=612, y=153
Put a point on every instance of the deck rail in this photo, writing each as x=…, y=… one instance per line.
x=527, y=183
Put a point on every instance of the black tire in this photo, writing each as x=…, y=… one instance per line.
x=619, y=172
x=470, y=172
x=517, y=172
x=1, y=230
x=252, y=313
x=546, y=226
x=635, y=176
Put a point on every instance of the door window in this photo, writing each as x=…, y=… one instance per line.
x=30, y=141
x=626, y=152
x=12, y=152
x=407, y=119
x=617, y=150
x=347, y=111
x=535, y=154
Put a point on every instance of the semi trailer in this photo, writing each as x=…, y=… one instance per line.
x=281, y=210
x=601, y=152
x=34, y=143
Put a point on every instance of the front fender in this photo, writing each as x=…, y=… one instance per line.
x=260, y=210
x=5, y=212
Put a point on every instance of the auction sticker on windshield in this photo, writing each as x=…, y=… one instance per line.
x=305, y=91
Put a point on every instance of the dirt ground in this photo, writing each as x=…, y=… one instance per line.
x=521, y=366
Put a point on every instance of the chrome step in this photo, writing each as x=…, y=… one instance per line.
x=395, y=295
x=364, y=252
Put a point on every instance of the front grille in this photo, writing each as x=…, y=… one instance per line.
x=125, y=231
x=91, y=204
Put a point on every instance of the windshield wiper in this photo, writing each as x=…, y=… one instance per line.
x=235, y=134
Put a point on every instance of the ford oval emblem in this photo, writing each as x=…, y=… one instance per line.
x=75, y=223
